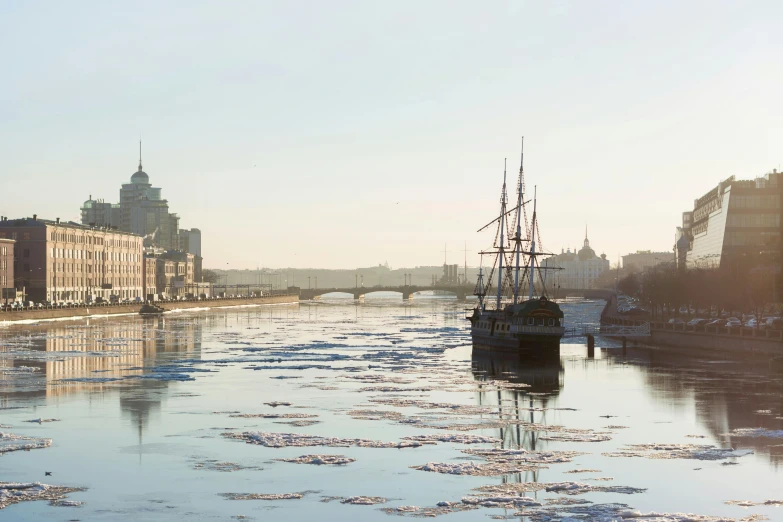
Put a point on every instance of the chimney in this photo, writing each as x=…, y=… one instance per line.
x=35, y=217
x=57, y=220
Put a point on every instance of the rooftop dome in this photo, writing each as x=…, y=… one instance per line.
x=140, y=177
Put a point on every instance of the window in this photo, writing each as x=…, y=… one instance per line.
x=531, y=321
x=551, y=322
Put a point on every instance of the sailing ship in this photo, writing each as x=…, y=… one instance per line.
x=531, y=326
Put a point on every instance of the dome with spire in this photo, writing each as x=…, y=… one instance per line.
x=586, y=252
x=140, y=177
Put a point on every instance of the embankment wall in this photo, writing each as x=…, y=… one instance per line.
x=75, y=313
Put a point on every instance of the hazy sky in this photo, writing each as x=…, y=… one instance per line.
x=340, y=134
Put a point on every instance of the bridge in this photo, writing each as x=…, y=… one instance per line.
x=407, y=291
x=608, y=330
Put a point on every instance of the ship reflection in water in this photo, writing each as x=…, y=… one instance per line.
x=523, y=409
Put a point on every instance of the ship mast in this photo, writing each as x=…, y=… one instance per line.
x=518, y=237
x=532, y=246
x=501, y=249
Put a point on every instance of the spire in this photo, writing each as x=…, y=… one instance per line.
x=139, y=155
x=587, y=241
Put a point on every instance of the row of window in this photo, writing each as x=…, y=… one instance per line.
x=91, y=240
x=110, y=269
x=83, y=281
x=754, y=201
x=753, y=220
x=69, y=253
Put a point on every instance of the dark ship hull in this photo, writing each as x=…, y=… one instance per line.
x=524, y=345
x=529, y=328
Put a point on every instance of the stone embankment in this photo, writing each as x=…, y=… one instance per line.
x=87, y=311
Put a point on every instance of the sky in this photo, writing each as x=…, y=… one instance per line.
x=343, y=134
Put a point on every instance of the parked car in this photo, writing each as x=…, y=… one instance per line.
x=733, y=322
x=753, y=323
x=717, y=323
x=697, y=322
x=676, y=321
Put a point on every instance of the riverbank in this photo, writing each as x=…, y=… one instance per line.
x=76, y=313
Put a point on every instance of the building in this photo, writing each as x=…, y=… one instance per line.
x=59, y=261
x=149, y=277
x=141, y=210
x=641, y=260
x=98, y=213
x=736, y=221
x=7, y=288
x=190, y=241
x=174, y=274
x=575, y=270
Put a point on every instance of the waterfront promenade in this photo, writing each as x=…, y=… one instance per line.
x=134, y=308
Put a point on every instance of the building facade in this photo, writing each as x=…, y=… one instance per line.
x=641, y=260
x=738, y=219
x=7, y=287
x=575, y=270
x=59, y=261
x=149, y=276
x=174, y=274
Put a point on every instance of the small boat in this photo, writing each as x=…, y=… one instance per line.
x=531, y=326
x=151, y=309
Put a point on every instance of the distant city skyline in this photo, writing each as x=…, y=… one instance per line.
x=350, y=134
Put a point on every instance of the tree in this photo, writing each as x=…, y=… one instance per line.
x=629, y=285
x=210, y=276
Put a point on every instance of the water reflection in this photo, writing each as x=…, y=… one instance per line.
x=54, y=360
x=524, y=409
x=728, y=393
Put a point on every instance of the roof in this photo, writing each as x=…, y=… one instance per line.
x=30, y=222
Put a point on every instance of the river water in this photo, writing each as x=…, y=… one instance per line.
x=165, y=418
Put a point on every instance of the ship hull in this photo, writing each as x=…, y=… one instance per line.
x=530, y=344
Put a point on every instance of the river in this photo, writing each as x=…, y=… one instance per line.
x=191, y=416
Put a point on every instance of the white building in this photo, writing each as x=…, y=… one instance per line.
x=578, y=270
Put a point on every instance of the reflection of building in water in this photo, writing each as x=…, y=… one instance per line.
x=727, y=396
x=102, y=350
x=521, y=409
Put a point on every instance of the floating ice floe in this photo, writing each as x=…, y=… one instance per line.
x=299, y=423
x=504, y=502
x=576, y=437
x=500, y=455
x=320, y=460
x=15, y=492
x=263, y=496
x=456, y=438
x=284, y=440
x=274, y=415
x=216, y=465
x=275, y=404
x=477, y=469
x=66, y=503
x=363, y=501
x=679, y=451
x=11, y=442
x=578, y=488
x=748, y=503
x=583, y=471
x=375, y=415
x=39, y=420
x=756, y=433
